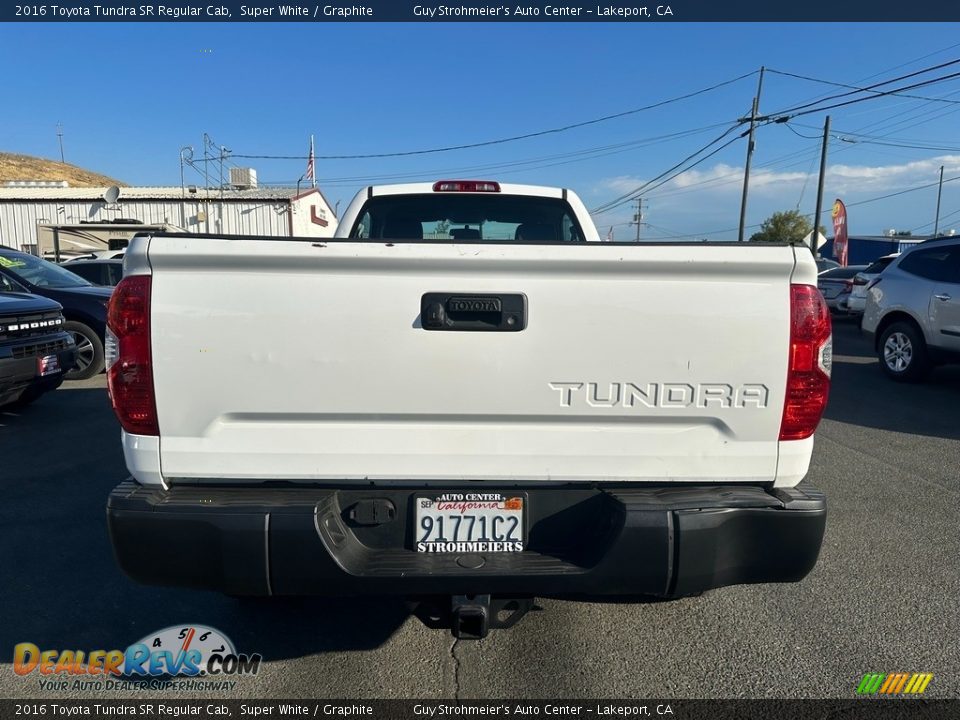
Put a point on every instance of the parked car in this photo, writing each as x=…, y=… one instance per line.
x=35, y=350
x=99, y=272
x=84, y=305
x=857, y=299
x=913, y=310
x=835, y=285
x=824, y=264
x=94, y=255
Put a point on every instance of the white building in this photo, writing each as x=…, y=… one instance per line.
x=230, y=211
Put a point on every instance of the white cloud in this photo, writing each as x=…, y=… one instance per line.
x=724, y=179
x=705, y=200
x=855, y=178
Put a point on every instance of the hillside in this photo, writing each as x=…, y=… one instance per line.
x=27, y=167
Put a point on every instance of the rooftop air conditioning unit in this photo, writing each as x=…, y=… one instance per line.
x=243, y=178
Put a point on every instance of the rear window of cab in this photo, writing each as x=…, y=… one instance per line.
x=467, y=217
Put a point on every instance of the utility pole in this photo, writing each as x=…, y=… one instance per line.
x=638, y=216
x=60, y=139
x=754, y=110
x=206, y=159
x=188, y=150
x=220, y=213
x=936, y=222
x=224, y=154
x=823, y=173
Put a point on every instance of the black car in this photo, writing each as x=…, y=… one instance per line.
x=99, y=272
x=824, y=264
x=84, y=305
x=35, y=350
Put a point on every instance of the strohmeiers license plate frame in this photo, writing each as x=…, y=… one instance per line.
x=464, y=504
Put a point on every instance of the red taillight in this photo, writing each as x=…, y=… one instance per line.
x=129, y=363
x=859, y=280
x=848, y=285
x=808, y=371
x=466, y=186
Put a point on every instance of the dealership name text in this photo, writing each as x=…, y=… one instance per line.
x=526, y=710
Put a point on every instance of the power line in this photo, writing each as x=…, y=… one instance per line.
x=737, y=175
x=888, y=123
x=857, y=88
x=866, y=140
x=942, y=218
x=899, y=145
x=667, y=231
x=629, y=196
x=911, y=117
x=733, y=177
x=900, y=192
x=806, y=179
x=789, y=127
x=795, y=110
x=705, y=157
x=849, y=205
x=790, y=114
x=870, y=136
x=513, y=138
x=896, y=67
x=528, y=163
x=702, y=234
x=806, y=108
x=801, y=155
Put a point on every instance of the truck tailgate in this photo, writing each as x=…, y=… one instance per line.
x=307, y=361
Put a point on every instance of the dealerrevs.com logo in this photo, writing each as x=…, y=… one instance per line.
x=179, y=651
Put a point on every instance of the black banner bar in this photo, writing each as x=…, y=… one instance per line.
x=624, y=709
x=474, y=11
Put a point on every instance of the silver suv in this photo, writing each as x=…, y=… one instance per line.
x=913, y=310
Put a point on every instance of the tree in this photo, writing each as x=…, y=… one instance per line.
x=786, y=226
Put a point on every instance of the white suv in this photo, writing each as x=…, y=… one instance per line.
x=913, y=310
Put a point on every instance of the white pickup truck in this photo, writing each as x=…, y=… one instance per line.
x=465, y=394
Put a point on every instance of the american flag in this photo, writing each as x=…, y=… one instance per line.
x=311, y=174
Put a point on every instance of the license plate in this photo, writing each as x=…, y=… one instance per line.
x=48, y=365
x=469, y=522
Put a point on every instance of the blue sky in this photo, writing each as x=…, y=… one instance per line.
x=131, y=95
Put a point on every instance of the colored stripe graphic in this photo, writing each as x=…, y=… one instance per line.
x=899, y=683
x=894, y=683
x=870, y=683
x=922, y=682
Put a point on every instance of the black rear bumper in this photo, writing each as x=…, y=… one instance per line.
x=666, y=541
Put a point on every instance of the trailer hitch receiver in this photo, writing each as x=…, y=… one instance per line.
x=474, y=616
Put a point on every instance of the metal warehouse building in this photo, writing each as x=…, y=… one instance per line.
x=25, y=207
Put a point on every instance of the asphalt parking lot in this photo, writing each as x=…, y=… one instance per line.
x=884, y=597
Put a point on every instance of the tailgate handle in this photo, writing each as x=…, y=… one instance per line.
x=483, y=312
